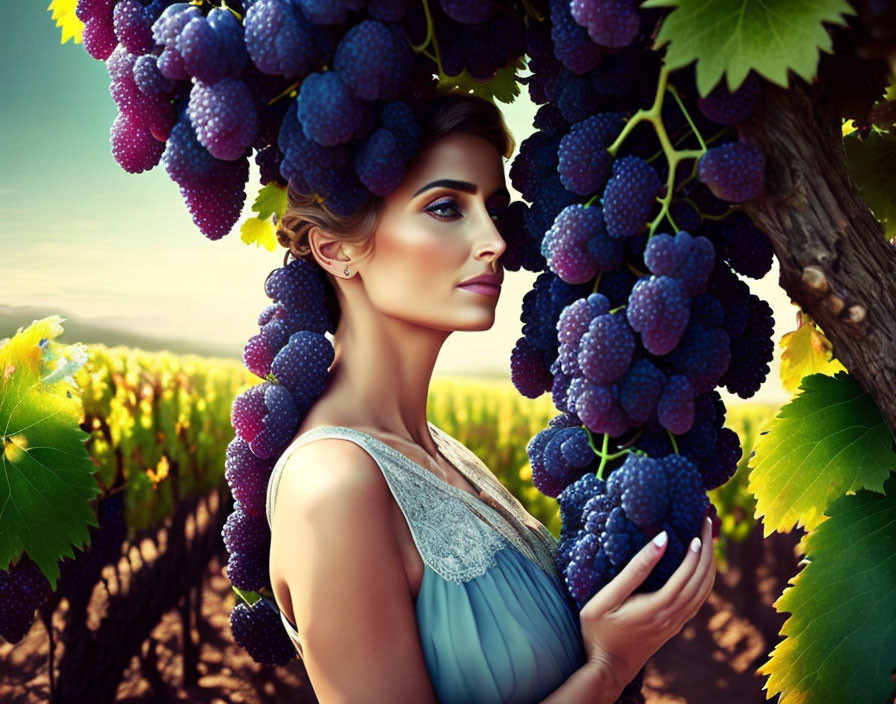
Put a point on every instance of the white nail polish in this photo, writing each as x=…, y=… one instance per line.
x=695, y=544
x=660, y=539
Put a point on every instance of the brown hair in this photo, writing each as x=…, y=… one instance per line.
x=438, y=115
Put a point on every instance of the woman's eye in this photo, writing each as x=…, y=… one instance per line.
x=445, y=205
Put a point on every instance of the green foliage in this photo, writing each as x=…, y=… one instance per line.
x=504, y=86
x=259, y=230
x=730, y=37
x=840, y=643
x=872, y=165
x=157, y=419
x=47, y=476
x=828, y=440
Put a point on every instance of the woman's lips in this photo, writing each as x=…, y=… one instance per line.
x=483, y=289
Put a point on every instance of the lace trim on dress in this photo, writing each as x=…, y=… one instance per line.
x=458, y=539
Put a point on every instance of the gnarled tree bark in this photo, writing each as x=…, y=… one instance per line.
x=834, y=259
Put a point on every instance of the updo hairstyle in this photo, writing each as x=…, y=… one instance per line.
x=438, y=116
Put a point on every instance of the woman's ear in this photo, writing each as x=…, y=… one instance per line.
x=328, y=250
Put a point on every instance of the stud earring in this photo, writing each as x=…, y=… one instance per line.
x=346, y=271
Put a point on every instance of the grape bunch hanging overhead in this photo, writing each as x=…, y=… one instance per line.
x=631, y=183
x=317, y=91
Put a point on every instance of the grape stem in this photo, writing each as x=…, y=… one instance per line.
x=672, y=440
x=289, y=89
x=674, y=91
x=654, y=116
x=604, y=455
x=635, y=270
x=532, y=11
x=430, y=38
x=235, y=13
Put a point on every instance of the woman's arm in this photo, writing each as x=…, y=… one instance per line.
x=333, y=545
x=592, y=683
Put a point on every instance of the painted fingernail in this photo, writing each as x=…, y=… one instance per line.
x=709, y=521
x=695, y=544
x=660, y=539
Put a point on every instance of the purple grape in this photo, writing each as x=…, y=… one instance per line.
x=302, y=366
x=23, y=590
x=133, y=146
x=265, y=417
x=212, y=47
x=584, y=164
x=606, y=350
x=675, y=409
x=130, y=21
x=258, y=629
x=281, y=41
x=374, y=61
x=572, y=45
x=528, y=371
x=224, y=117
x=749, y=251
x=658, y=309
x=629, y=196
x=468, y=11
x=734, y=172
x=730, y=108
x=328, y=111
x=247, y=476
x=612, y=23
x=379, y=163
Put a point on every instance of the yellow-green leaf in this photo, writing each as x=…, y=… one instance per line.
x=828, y=440
x=259, y=230
x=730, y=37
x=46, y=475
x=840, y=640
x=63, y=12
x=806, y=351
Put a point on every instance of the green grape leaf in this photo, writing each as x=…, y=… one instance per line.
x=840, y=643
x=872, y=165
x=730, y=37
x=504, y=86
x=259, y=230
x=244, y=595
x=63, y=13
x=46, y=474
x=828, y=440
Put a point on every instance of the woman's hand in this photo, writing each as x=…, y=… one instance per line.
x=620, y=632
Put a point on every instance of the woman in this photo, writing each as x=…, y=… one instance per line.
x=403, y=570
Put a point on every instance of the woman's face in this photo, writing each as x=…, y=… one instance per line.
x=441, y=226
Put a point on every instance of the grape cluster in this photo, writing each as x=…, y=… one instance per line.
x=324, y=94
x=630, y=328
x=292, y=354
x=607, y=522
x=637, y=314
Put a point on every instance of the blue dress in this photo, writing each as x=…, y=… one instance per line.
x=495, y=623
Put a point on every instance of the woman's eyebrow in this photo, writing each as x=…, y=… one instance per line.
x=460, y=186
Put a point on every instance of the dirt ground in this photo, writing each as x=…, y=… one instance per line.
x=712, y=660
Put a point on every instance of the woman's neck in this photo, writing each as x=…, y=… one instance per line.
x=380, y=377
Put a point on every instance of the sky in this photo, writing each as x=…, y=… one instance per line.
x=80, y=234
